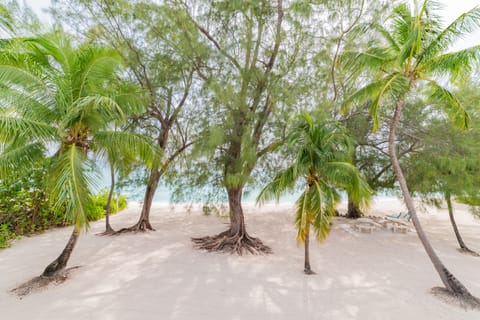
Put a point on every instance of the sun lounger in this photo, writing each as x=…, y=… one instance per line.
x=397, y=225
x=399, y=228
x=366, y=225
x=402, y=215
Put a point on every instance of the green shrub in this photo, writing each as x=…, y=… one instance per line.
x=25, y=208
x=97, y=209
x=6, y=235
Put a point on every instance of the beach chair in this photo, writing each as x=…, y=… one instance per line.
x=401, y=216
x=398, y=223
x=366, y=225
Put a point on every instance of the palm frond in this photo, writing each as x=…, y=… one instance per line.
x=6, y=20
x=302, y=216
x=325, y=201
x=55, y=45
x=93, y=110
x=11, y=126
x=70, y=180
x=447, y=100
x=10, y=74
x=97, y=65
x=465, y=24
x=454, y=63
x=393, y=45
x=349, y=178
x=19, y=157
x=283, y=182
x=372, y=59
x=27, y=104
x=393, y=85
x=410, y=47
x=401, y=21
x=119, y=144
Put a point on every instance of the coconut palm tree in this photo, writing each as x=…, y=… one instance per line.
x=65, y=100
x=322, y=155
x=412, y=59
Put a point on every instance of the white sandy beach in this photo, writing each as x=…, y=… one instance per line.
x=158, y=275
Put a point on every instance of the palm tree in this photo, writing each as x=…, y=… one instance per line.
x=413, y=59
x=65, y=100
x=321, y=156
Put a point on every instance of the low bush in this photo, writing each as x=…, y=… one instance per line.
x=99, y=204
x=25, y=208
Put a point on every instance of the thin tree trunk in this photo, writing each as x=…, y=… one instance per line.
x=307, y=269
x=143, y=223
x=60, y=263
x=451, y=283
x=108, y=227
x=463, y=246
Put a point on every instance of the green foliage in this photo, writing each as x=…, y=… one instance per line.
x=413, y=51
x=25, y=208
x=322, y=155
x=55, y=93
x=447, y=159
x=24, y=205
x=6, y=235
x=97, y=208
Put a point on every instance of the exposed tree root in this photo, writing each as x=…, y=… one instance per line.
x=239, y=243
x=110, y=232
x=468, y=251
x=141, y=226
x=42, y=282
x=465, y=301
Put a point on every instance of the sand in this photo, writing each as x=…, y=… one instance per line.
x=158, y=275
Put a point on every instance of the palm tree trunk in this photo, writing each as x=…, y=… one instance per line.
x=307, y=269
x=353, y=211
x=60, y=263
x=463, y=246
x=451, y=283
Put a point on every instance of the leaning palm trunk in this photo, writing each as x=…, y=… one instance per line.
x=452, y=284
x=59, y=264
x=461, y=243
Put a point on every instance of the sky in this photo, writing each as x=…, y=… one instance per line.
x=453, y=8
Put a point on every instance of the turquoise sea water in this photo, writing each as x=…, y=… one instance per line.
x=164, y=193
